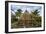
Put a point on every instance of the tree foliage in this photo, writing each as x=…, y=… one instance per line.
x=18, y=13
x=36, y=12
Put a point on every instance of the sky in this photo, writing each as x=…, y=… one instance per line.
x=25, y=7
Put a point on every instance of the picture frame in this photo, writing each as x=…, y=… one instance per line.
x=21, y=5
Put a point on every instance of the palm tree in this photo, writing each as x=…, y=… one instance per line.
x=36, y=12
x=36, y=17
x=18, y=13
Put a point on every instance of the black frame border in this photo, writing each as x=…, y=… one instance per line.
x=6, y=16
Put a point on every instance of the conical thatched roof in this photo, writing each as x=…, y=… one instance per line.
x=25, y=16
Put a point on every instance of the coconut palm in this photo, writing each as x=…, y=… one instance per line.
x=37, y=18
x=18, y=13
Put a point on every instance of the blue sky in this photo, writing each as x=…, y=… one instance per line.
x=25, y=7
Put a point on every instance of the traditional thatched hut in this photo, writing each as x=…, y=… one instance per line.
x=25, y=19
